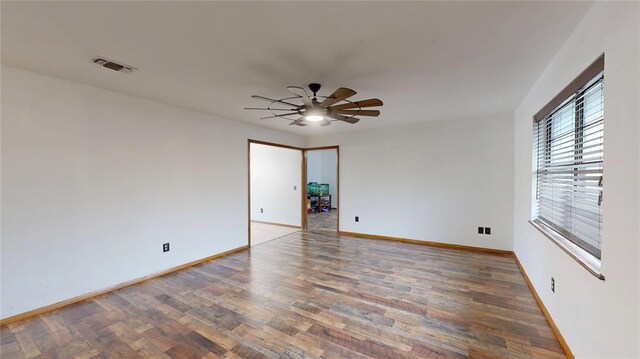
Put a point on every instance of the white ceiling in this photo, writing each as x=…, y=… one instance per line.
x=425, y=60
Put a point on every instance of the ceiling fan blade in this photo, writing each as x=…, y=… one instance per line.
x=302, y=93
x=338, y=95
x=351, y=120
x=359, y=112
x=298, y=122
x=282, y=115
x=272, y=100
x=372, y=102
x=325, y=122
x=336, y=116
x=272, y=109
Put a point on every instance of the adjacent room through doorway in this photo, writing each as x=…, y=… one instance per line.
x=275, y=179
x=322, y=189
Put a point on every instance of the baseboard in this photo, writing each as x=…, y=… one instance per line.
x=544, y=310
x=427, y=243
x=99, y=292
x=278, y=224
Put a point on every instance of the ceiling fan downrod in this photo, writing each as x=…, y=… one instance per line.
x=314, y=87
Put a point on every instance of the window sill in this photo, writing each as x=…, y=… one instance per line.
x=586, y=260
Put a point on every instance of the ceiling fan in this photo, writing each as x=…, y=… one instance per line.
x=318, y=109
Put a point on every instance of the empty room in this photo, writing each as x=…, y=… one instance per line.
x=320, y=179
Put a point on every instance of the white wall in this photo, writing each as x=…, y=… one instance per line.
x=321, y=168
x=276, y=177
x=93, y=182
x=435, y=181
x=599, y=319
x=314, y=166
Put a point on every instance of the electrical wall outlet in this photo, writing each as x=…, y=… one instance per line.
x=487, y=230
x=480, y=230
x=165, y=247
x=553, y=285
x=261, y=210
x=357, y=219
x=295, y=188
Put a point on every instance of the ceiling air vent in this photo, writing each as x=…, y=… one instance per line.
x=113, y=65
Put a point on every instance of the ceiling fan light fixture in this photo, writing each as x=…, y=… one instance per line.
x=314, y=118
x=313, y=115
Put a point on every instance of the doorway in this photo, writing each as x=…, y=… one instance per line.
x=276, y=181
x=322, y=189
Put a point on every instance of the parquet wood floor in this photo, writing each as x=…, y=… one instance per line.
x=306, y=295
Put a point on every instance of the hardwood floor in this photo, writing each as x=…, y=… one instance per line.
x=264, y=232
x=306, y=295
x=323, y=221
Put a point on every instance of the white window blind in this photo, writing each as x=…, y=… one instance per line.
x=568, y=144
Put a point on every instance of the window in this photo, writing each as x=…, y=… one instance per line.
x=568, y=151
